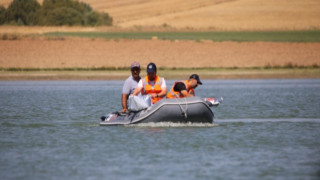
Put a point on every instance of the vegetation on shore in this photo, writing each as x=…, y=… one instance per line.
x=52, y=13
x=238, y=36
x=121, y=75
x=168, y=73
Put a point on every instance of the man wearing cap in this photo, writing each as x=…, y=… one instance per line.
x=152, y=84
x=186, y=88
x=130, y=84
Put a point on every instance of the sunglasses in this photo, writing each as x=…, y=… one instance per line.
x=135, y=69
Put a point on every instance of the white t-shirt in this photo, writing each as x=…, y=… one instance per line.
x=163, y=84
x=129, y=86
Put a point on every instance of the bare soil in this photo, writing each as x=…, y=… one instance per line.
x=88, y=53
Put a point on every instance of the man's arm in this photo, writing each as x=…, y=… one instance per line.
x=182, y=89
x=163, y=89
x=163, y=92
x=185, y=93
x=125, y=94
x=124, y=102
x=138, y=89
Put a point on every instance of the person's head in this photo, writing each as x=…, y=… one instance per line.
x=194, y=80
x=151, y=71
x=135, y=69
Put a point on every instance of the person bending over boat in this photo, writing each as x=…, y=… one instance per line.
x=130, y=84
x=152, y=84
x=182, y=89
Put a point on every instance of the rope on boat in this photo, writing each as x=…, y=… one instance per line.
x=184, y=111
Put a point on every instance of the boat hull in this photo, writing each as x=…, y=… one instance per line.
x=181, y=110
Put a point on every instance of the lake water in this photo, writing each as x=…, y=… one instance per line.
x=264, y=129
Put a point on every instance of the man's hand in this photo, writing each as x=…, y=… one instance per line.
x=153, y=95
x=186, y=94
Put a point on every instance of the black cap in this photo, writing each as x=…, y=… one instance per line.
x=196, y=77
x=151, y=68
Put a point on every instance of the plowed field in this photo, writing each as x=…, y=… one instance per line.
x=87, y=53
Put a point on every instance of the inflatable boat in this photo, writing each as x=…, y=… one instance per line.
x=180, y=110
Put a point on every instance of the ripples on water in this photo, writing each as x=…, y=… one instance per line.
x=264, y=129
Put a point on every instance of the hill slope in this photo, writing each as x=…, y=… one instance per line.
x=212, y=14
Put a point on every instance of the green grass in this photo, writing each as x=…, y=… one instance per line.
x=168, y=73
x=273, y=36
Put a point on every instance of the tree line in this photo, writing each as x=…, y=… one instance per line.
x=52, y=13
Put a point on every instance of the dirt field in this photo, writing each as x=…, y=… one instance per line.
x=82, y=52
x=211, y=14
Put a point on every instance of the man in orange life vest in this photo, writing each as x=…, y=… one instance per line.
x=186, y=88
x=152, y=84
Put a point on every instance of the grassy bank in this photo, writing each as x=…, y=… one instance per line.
x=205, y=73
x=273, y=36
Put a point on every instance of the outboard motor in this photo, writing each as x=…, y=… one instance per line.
x=213, y=101
x=103, y=118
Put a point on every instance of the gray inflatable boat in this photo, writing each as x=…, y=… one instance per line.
x=182, y=110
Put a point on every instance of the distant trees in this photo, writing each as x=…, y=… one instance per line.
x=52, y=13
x=63, y=16
x=2, y=15
x=22, y=12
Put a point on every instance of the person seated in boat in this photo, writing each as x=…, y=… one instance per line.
x=130, y=84
x=182, y=89
x=152, y=84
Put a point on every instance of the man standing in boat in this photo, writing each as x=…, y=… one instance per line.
x=186, y=88
x=130, y=84
x=152, y=84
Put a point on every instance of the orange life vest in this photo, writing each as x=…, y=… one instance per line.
x=149, y=89
x=176, y=94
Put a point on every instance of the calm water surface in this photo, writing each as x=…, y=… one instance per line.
x=264, y=129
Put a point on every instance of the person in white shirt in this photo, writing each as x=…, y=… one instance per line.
x=130, y=84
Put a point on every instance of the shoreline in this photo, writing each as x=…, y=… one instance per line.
x=292, y=73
